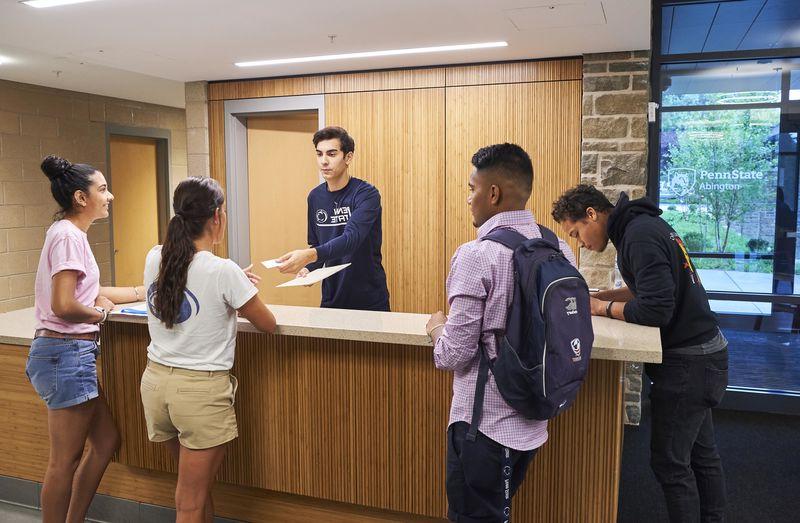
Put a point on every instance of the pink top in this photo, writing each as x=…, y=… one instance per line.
x=479, y=290
x=66, y=248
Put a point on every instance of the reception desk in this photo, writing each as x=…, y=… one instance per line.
x=342, y=417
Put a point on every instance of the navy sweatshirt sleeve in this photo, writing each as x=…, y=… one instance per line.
x=313, y=241
x=654, y=304
x=364, y=215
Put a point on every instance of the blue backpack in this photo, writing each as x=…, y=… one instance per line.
x=543, y=356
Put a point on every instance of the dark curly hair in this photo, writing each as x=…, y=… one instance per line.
x=66, y=178
x=509, y=160
x=194, y=202
x=331, y=132
x=573, y=203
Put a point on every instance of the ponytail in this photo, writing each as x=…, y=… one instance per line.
x=195, y=202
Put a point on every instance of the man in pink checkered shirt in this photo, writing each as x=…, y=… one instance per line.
x=484, y=474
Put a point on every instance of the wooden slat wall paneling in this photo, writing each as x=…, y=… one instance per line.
x=385, y=80
x=364, y=424
x=514, y=72
x=399, y=139
x=216, y=141
x=24, y=445
x=24, y=451
x=553, y=105
x=343, y=421
x=335, y=421
x=291, y=86
x=556, y=152
x=450, y=76
x=575, y=475
x=543, y=118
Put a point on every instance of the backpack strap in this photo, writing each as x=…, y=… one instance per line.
x=480, y=390
x=508, y=237
x=512, y=239
x=550, y=237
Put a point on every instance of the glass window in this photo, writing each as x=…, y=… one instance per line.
x=727, y=83
x=729, y=173
x=763, y=348
x=718, y=189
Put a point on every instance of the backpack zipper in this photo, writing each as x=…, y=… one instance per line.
x=541, y=308
x=544, y=359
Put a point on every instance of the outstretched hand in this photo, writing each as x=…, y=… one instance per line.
x=292, y=262
x=254, y=278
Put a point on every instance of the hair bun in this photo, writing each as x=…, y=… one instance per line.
x=55, y=166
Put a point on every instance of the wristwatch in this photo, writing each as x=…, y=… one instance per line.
x=104, y=313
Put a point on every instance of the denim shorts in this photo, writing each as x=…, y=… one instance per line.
x=63, y=371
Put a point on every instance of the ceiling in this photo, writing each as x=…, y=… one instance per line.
x=146, y=49
x=730, y=26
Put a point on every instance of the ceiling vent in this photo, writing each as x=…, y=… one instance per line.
x=557, y=14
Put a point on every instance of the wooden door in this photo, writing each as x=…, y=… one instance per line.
x=134, y=211
x=282, y=169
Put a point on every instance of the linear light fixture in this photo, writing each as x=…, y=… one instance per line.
x=52, y=3
x=370, y=54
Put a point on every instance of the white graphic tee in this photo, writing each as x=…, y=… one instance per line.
x=204, y=334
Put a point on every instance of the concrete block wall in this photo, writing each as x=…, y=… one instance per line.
x=36, y=121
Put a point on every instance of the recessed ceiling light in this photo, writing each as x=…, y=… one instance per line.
x=370, y=54
x=52, y=3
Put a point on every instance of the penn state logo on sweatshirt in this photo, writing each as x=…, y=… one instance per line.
x=335, y=217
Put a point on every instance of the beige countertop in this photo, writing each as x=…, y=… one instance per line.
x=614, y=339
x=17, y=327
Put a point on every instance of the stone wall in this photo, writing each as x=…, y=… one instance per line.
x=37, y=121
x=614, y=159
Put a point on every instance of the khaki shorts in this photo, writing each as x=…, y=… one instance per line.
x=193, y=405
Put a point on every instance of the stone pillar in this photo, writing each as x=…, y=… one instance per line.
x=197, y=128
x=614, y=159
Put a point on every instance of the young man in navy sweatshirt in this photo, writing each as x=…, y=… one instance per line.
x=344, y=226
x=663, y=290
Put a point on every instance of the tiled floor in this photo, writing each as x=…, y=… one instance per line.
x=17, y=514
x=103, y=511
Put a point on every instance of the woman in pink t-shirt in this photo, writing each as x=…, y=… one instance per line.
x=70, y=306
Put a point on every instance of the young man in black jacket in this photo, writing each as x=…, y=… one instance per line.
x=663, y=290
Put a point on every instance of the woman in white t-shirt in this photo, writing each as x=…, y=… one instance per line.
x=193, y=297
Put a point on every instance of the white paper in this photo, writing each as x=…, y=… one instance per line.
x=270, y=264
x=314, y=276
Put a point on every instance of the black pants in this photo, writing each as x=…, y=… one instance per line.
x=683, y=452
x=482, y=476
